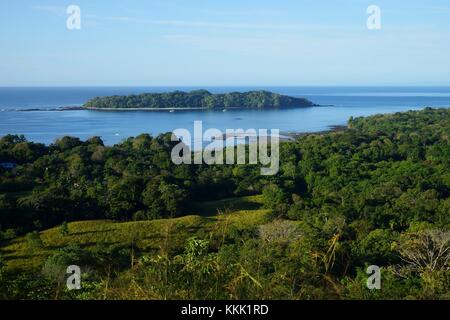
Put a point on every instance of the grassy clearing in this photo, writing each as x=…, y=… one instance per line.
x=148, y=236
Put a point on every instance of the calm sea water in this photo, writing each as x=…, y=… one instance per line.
x=46, y=126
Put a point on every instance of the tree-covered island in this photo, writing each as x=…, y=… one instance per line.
x=199, y=99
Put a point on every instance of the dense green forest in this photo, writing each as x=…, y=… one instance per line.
x=141, y=227
x=199, y=99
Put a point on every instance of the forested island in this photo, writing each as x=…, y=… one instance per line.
x=198, y=99
x=141, y=227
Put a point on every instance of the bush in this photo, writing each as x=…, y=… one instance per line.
x=64, y=229
x=275, y=199
x=34, y=241
x=9, y=234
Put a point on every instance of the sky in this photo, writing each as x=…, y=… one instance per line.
x=224, y=43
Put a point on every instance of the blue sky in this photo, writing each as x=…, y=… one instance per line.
x=232, y=42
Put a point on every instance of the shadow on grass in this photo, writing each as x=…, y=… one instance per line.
x=89, y=232
x=212, y=208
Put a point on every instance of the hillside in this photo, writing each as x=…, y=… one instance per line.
x=212, y=222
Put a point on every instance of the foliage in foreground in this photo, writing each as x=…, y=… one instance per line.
x=375, y=194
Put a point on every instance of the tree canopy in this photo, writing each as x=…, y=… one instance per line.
x=374, y=194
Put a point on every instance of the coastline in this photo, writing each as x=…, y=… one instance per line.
x=188, y=108
x=292, y=136
x=111, y=128
x=148, y=109
x=331, y=128
x=286, y=136
x=81, y=108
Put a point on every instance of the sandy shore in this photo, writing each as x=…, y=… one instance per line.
x=186, y=109
x=144, y=109
x=296, y=134
x=283, y=136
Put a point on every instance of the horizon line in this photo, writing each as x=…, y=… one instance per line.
x=226, y=86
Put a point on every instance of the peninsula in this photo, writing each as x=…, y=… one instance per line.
x=198, y=99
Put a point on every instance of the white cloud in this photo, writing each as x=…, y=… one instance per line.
x=231, y=25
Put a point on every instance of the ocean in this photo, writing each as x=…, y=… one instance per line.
x=337, y=105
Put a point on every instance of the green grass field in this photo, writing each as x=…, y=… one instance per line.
x=212, y=221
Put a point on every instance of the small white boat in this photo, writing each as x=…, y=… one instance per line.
x=171, y=110
x=224, y=110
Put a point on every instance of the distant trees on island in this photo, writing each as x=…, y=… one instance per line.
x=198, y=99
